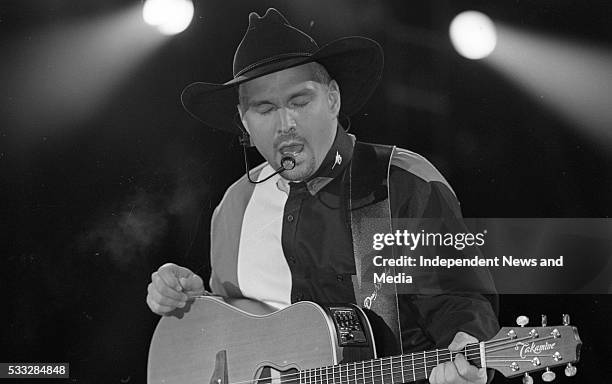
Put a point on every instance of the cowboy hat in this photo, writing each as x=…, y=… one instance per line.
x=271, y=44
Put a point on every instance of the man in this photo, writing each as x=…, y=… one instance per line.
x=286, y=231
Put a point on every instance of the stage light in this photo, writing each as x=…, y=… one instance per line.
x=473, y=34
x=571, y=77
x=169, y=16
x=71, y=71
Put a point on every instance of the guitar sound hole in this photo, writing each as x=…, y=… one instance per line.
x=270, y=375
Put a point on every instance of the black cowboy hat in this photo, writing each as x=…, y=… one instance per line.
x=271, y=44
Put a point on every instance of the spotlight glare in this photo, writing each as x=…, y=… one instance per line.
x=169, y=16
x=473, y=34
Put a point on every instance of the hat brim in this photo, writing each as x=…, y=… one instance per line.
x=355, y=62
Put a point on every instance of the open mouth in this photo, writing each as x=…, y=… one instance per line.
x=291, y=149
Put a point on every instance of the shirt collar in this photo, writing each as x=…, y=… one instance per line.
x=334, y=163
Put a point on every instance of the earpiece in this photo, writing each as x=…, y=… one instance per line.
x=246, y=137
x=241, y=124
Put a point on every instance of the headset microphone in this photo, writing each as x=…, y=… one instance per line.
x=288, y=163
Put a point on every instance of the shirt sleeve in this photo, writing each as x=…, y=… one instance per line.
x=216, y=287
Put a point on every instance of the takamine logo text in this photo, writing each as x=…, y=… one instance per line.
x=525, y=348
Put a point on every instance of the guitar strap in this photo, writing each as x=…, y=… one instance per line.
x=368, y=189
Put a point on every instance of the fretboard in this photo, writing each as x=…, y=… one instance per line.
x=387, y=370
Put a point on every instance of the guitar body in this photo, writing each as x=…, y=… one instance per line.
x=219, y=342
x=241, y=341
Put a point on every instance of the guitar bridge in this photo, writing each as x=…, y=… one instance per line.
x=219, y=375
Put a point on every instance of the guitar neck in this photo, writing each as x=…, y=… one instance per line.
x=387, y=370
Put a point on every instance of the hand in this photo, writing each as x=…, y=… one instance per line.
x=458, y=371
x=170, y=288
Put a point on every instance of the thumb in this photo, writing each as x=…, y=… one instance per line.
x=192, y=283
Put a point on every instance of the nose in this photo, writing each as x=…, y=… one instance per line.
x=287, y=120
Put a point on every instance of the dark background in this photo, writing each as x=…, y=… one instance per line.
x=92, y=206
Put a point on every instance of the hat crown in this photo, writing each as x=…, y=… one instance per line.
x=268, y=39
x=272, y=15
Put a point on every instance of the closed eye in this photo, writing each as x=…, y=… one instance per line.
x=264, y=109
x=300, y=101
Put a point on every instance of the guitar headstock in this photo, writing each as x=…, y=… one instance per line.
x=523, y=349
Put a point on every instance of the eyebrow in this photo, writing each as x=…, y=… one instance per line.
x=301, y=92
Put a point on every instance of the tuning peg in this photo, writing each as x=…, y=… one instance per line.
x=548, y=375
x=570, y=370
x=522, y=321
x=544, y=320
x=566, y=319
x=527, y=379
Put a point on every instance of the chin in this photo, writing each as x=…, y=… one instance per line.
x=300, y=172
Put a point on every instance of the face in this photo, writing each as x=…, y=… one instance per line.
x=288, y=114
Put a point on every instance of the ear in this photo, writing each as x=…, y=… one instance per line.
x=242, y=118
x=333, y=96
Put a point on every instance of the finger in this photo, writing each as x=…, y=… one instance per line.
x=162, y=287
x=169, y=273
x=158, y=308
x=450, y=372
x=468, y=371
x=434, y=376
x=192, y=284
x=460, y=340
x=164, y=301
x=176, y=270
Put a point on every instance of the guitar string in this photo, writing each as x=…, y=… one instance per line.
x=498, y=363
x=498, y=348
x=366, y=373
x=339, y=370
x=375, y=364
x=378, y=370
x=471, y=352
x=380, y=365
x=336, y=376
x=513, y=357
x=494, y=362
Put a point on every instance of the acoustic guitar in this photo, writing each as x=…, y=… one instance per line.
x=214, y=341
